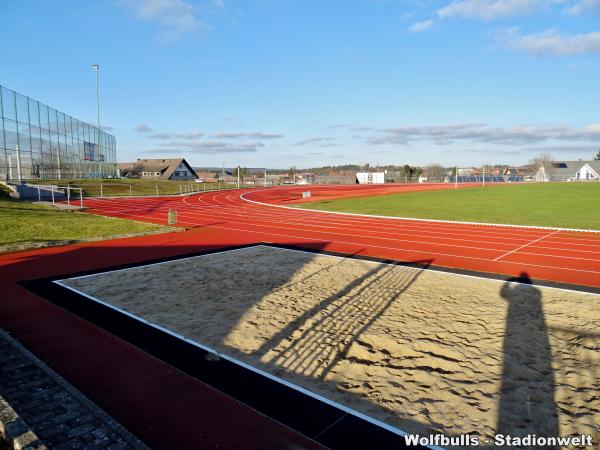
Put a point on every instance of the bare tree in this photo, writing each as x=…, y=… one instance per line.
x=434, y=171
x=544, y=161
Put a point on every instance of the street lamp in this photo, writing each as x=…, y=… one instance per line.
x=96, y=67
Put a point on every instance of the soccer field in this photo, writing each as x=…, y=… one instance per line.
x=566, y=205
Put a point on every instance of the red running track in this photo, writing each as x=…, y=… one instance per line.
x=157, y=402
x=544, y=254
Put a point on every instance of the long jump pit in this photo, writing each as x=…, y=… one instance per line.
x=361, y=353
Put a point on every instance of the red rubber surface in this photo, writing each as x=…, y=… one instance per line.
x=559, y=256
x=160, y=404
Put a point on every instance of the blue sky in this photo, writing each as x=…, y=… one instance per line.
x=274, y=83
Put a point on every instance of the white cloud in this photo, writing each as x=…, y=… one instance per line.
x=250, y=135
x=191, y=135
x=419, y=27
x=207, y=147
x=143, y=128
x=161, y=136
x=585, y=6
x=517, y=135
x=551, y=42
x=175, y=17
x=489, y=9
x=315, y=140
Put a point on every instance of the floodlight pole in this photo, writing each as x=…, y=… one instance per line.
x=96, y=67
x=456, y=177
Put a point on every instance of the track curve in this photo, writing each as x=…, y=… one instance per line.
x=544, y=254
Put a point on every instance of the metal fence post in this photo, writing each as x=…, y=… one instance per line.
x=130, y=190
x=39, y=195
x=81, y=197
x=52, y=190
x=156, y=185
x=69, y=194
x=101, y=192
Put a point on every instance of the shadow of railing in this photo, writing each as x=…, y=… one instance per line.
x=329, y=328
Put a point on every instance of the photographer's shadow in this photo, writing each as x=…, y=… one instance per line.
x=527, y=404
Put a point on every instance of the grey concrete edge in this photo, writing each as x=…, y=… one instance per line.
x=15, y=432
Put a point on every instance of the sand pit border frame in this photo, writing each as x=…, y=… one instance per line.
x=39, y=286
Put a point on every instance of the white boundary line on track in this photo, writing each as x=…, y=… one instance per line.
x=195, y=215
x=304, y=391
x=300, y=219
x=230, y=193
x=534, y=227
x=358, y=244
x=526, y=245
x=236, y=216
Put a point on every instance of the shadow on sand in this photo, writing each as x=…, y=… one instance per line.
x=526, y=404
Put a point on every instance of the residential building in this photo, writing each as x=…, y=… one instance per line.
x=569, y=171
x=158, y=169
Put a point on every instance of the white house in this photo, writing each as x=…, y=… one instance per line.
x=590, y=171
x=570, y=171
x=370, y=177
x=158, y=169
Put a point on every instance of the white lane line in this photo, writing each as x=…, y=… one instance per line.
x=485, y=224
x=245, y=219
x=427, y=253
x=421, y=227
x=523, y=246
x=269, y=233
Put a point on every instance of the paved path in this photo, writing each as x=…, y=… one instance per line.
x=59, y=415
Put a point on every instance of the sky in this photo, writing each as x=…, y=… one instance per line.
x=276, y=83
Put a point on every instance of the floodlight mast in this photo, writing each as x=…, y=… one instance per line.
x=455, y=177
x=96, y=67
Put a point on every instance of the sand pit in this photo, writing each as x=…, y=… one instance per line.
x=418, y=349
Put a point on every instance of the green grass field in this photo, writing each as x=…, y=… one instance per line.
x=116, y=187
x=25, y=222
x=567, y=205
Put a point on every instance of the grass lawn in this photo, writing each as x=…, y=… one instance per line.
x=117, y=186
x=567, y=205
x=24, y=222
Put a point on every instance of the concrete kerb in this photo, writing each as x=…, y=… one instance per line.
x=15, y=432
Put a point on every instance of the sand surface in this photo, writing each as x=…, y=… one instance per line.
x=418, y=349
